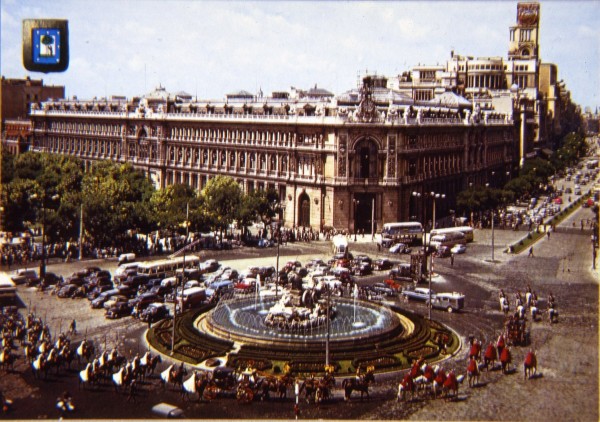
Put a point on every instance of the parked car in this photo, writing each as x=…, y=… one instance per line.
x=142, y=301
x=417, y=293
x=155, y=312
x=67, y=291
x=114, y=300
x=96, y=291
x=118, y=310
x=209, y=266
x=161, y=291
x=458, y=249
x=361, y=268
x=25, y=276
x=102, y=298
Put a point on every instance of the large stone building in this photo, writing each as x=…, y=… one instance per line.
x=521, y=84
x=349, y=162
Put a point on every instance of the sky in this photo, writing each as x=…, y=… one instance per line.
x=209, y=49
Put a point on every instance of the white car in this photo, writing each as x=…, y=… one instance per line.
x=456, y=249
x=400, y=248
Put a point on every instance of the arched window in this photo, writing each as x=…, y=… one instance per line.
x=366, y=159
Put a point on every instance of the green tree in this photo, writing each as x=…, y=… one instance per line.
x=116, y=200
x=223, y=197
x=170, y=206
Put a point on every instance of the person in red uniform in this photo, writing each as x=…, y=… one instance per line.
x=490, y=356
x=473, y=372
x=505, y=359
x=530, y=364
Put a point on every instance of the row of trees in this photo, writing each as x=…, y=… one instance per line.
x=117, y=199
x=531, y=181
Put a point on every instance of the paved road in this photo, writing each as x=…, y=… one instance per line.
x=567, y=351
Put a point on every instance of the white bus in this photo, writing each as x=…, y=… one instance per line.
x=406, y=232
x=466, y=230
x=447, y=239
x=163, y=268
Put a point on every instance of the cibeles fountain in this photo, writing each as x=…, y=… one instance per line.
x=303, y=328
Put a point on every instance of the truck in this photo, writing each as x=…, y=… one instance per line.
x=339, y=246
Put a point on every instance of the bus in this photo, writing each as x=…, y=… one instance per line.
x=406, y=232
x=466, y=230
x=163, y=268
x=190, y=298
x=447, y=239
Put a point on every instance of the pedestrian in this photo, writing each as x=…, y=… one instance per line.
x=73, y=327
x=452, y=260
x=530, y=252
x=132, y=391
x=548, y=234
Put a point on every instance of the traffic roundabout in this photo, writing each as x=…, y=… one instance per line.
x=360, y=334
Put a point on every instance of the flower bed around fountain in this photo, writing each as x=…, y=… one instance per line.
x=389, y=339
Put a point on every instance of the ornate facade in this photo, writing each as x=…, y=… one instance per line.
x=350, y=162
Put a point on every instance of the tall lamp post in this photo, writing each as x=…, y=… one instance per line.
x=433, y=196
x=43, y=258
x=186, y=224
x=280, y=208
x=356, y=202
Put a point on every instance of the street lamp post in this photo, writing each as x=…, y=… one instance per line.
x=433, y=196
x=187, y=232
x=356, y=202
x=280, y=207
x=43, y=258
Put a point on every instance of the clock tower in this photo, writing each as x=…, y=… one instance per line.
x=524, y=36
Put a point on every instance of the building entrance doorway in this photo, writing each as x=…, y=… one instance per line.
x=363, y=212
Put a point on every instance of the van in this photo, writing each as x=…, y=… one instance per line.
x=451, y=302
x=191, y=297
x=126, y=257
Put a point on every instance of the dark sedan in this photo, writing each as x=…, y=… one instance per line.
x=382, y=264
x=118, y=310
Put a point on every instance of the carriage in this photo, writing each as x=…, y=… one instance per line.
x=223, y=380
x=516, y=332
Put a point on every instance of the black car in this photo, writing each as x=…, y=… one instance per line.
x=67, y=291
x=118, y=310
x=401, y=272
x=143, y=300
x=96, y=291
x=361, y=268
x=383, y=289
x=161, y=291
x=382, y=264
x=155, y=312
